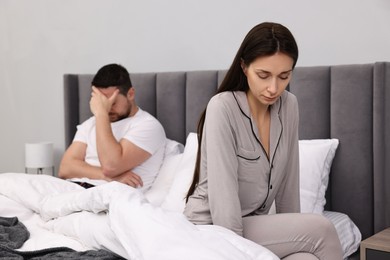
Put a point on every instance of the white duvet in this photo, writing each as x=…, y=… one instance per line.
x=116, y=217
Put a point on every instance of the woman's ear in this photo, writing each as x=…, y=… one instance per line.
x=243, y=66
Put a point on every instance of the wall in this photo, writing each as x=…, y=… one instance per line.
x=43, y=39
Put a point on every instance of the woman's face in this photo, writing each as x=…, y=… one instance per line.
x=268, y=77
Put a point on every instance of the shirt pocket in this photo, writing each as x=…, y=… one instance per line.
x=249, y=155
x=248, y=166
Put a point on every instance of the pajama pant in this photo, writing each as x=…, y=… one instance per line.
x=295, y=236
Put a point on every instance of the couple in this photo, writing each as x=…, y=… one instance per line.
x=248, y=131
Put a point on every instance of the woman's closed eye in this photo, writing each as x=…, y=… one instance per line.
x=263, y=75
x=285, y=75
x=282, y=76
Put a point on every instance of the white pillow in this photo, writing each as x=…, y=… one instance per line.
x=348, y=233
x=163, y=182
x=315, y=159
x=175, y=200
x=160, y=187
x=172, y=147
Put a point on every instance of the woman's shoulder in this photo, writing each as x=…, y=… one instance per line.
x=227, y=97
x=289, y=105
x=289, y=99
x=222, y=104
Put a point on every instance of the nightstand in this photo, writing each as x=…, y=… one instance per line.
x=376, y=247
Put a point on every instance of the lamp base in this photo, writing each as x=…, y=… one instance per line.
x=40, y=170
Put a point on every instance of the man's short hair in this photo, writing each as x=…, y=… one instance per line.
x=113, y=75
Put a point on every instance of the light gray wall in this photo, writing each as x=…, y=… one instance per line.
x=41, y=40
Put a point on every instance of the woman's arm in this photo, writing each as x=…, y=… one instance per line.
x=218, y=146
x=288, y=200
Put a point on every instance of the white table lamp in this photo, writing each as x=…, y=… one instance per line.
x=39, y=156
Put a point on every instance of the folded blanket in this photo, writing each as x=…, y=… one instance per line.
x=12, y=233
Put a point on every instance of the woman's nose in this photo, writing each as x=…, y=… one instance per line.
x=273, y=87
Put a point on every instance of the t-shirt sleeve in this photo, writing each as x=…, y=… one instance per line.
x=82, y=131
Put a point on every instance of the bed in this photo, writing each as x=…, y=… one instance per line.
x=343, y=125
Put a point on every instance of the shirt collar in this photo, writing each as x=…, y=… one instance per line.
x=276, y=124
x=243, y=104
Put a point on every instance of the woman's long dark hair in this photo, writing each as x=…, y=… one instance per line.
x=264, y=39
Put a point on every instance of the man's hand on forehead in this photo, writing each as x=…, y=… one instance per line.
x=100, y=102
x=98, y=91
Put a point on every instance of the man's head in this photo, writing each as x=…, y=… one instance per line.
x=108, y=79
x=113, y=75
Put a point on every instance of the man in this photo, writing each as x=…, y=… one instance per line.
x=120, y=142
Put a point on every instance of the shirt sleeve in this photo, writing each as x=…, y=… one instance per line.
x=82, y=131
x=222, y=166
x=287, y=200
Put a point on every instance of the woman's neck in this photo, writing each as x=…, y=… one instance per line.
x=257, y=109
x=261, y=115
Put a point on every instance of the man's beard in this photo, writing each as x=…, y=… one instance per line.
x=115, y=117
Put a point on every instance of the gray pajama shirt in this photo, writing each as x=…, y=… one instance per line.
x=237, y=178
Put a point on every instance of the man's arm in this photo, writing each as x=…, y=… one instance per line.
x=115, y=157
x=74, y=166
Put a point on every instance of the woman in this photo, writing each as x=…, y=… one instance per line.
x=248, y=156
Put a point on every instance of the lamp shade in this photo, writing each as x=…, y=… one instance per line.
x=39, y=155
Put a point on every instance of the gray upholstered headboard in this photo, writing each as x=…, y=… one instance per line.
x=348, y=102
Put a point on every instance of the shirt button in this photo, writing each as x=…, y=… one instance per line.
x=270, y=186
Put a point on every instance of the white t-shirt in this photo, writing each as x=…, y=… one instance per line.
x=142, y=129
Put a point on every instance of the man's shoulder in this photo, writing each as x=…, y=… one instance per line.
x=143, y=116
x=142, y=121
x=88, y=123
